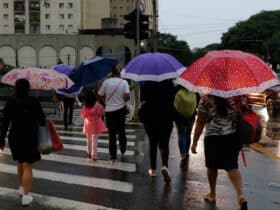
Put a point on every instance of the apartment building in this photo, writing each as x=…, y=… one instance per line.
x=51, y=16
x=39, y=32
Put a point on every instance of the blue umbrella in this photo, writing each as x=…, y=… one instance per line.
x=63, y=68
x=93, y=70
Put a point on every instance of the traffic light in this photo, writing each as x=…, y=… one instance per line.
x=130, y=28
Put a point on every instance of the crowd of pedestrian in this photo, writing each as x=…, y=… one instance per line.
x=105, y=108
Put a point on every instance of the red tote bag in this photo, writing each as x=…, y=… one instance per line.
x=57, y=144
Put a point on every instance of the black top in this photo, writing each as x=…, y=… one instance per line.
x=159, y=97
x=22, y=115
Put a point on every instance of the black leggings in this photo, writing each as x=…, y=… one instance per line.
x=159, y=135
x=116, y=125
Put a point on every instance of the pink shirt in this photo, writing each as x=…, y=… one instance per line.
x=93, y=123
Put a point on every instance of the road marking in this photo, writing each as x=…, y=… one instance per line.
x=265, y=151
x=84, y=139
x=81, y=127
x=129, y=136
x=74, y=179
x=53, y=202
x=99, y=149
x=122, y=166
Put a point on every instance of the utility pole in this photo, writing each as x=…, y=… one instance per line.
x=155, y=25
x=137, y=52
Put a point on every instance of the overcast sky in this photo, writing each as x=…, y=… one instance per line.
x=202, y=22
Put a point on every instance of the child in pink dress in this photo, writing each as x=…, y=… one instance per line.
x=92, y=112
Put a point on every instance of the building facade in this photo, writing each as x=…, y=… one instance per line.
x=40, y=32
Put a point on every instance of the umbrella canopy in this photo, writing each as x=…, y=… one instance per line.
x=70, y=92
x=93, y=69
x=63, y=68
x=41, y=79
x=228, y=73
x=152, y=67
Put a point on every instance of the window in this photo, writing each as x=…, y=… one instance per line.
x=6, y=16
x=61, y=27
x=35, y=28
x=19, y=28
x=6, y=27
x=61, y=5
x=47, y=5
x=70, y=16
x=61, y=16
x=48, y=27
x=5, y=5
x=70, y=5
x=70, y=27
x=48, y=16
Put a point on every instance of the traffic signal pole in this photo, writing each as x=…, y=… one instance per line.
x=137, y=52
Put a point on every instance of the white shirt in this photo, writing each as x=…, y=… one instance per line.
x=116, y=87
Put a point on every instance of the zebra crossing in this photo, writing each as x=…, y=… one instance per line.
x=67, y=180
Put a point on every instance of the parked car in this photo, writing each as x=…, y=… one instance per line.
x=267, y=104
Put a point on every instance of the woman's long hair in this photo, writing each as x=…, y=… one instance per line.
x=22, y=88
x=90, y=99
x=222, y=106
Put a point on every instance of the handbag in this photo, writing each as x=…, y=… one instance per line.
x=55, y=139
x=45, y=145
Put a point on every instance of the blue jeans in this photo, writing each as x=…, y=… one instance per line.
x=184, y=130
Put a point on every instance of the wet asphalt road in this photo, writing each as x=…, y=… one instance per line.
x=66, y=180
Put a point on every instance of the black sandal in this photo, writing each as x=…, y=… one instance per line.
x=243, y=204
x=209, y=199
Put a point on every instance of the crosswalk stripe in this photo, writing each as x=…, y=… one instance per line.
x=104, y=141
x=54, y=202
x=122, y=166
x=81, y=126
x=128, y=136
x=74, y=179
x=99, y=149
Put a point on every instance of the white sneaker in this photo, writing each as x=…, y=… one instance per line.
x=20, y=190
x=165, y=173
x=26, y=200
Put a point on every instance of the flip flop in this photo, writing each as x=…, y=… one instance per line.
x=209, y=199
x=243, y=204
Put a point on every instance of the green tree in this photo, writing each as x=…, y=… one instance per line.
x=260, y=34
x=168, y=43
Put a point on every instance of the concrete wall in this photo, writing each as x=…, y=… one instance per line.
x=45, y=50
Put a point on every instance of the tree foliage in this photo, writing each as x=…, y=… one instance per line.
x=260, y=34
x=168, y=43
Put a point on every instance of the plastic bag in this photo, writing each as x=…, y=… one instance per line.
x=45, y=145
x=55, y=139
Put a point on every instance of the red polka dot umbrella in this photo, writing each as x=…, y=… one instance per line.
x=228, y=73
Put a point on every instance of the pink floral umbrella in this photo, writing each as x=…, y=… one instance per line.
x=41, y=79
x=228, y=73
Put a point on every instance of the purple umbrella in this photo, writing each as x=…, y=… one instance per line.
x=153, y=67
x=70, y=92
x=63, y=68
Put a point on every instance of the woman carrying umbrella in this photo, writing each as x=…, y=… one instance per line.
x=23, y=114
x=222, y=76
x=220, y=144
x=156, y=72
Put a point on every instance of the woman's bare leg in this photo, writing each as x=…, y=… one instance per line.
x=27, y=178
